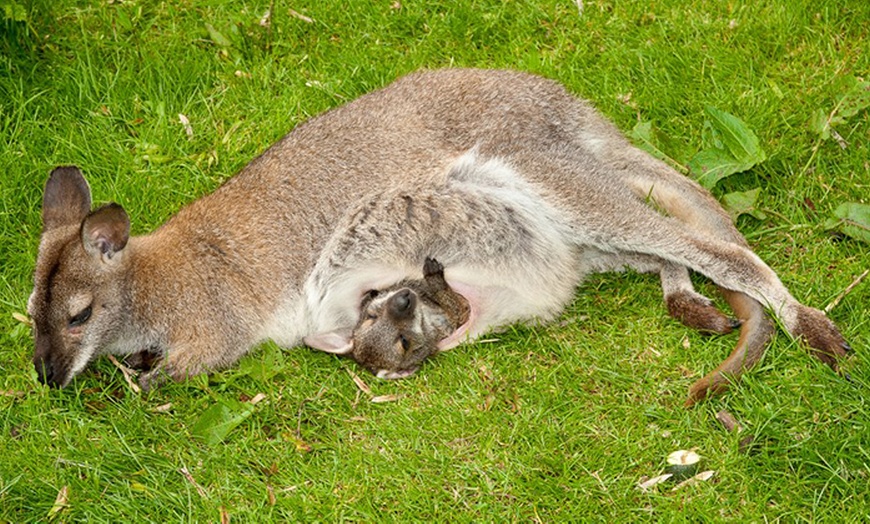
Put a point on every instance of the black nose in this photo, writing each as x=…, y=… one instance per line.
x=46, y=372
x=402, y=304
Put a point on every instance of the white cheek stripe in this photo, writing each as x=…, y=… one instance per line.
x=81, y=360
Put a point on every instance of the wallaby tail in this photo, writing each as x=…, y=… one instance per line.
x=756, y=331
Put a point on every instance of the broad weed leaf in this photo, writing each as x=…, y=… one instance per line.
x=851, y=219
x=731, y=148
x=736, y=136
x=743, y=203
x=216, y=422
x=712, y=165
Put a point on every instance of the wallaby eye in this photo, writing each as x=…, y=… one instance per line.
x=81, y=317
x=406, y=344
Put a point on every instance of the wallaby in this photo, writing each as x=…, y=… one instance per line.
x=401, y=326
x=517, y=187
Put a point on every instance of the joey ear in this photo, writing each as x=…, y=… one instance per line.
x=105, y=231
x=334, y=342
x=67, y=198
x=432, y=268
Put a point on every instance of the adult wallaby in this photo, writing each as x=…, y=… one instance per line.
x=516, y=186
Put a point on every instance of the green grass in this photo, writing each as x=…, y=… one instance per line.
x=552, y=424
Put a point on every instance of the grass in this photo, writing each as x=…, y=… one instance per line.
x=553, y=423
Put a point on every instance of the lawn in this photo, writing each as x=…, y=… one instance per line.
x=160, y=102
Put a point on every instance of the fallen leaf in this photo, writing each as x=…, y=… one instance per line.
x=185, y=122
x=216, y=422
x=647, y=484
x=700, y=477
x=852, y=219
x=10, y=393
x=61, y=502
x=384, y=398
x=217, y=37
x=728, y=421
x=163, y=408
x=259, y=397
x=24, y=319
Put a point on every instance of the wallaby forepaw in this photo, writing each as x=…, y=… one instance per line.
x=825, y=341
x=698, y=312
x=153, y=378
x=144, y=360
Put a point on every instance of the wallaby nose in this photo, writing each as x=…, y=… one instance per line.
x=402, y=304
x=44, y=372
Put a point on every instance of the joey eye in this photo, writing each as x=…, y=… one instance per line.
x=368, y=297
x=81, y=317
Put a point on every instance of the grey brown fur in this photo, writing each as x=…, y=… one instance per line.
x=517, y=187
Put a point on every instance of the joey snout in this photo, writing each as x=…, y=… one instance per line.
x=402, y=304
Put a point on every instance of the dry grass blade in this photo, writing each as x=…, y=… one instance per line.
x=846, y=291
x=360, y=383
x=185, y=122
x=300, y=16
x=128, y=374
x=189, y=477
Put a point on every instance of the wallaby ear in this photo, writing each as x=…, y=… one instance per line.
x=67, y=198
x=105, y=231
x=334, y=342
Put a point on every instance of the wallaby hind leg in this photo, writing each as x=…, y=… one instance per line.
x=690, y=307
x=733, y=267
x=697, y=311
x=683, y=302
x=686, y=201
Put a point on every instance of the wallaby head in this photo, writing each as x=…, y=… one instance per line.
x=401, y=326
x=77, y=304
